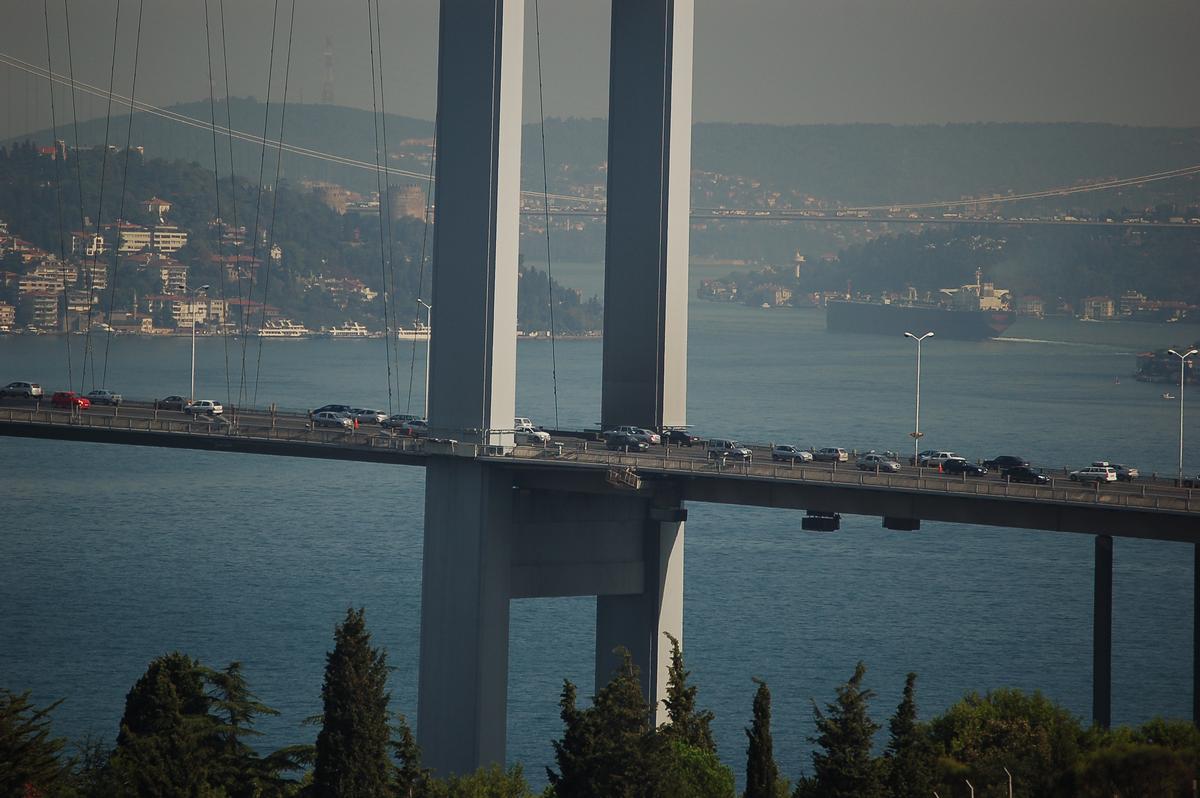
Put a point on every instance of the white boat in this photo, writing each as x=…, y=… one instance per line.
x=283, y=328
x=418, y=332
x=350, y=329
x=1168, y=395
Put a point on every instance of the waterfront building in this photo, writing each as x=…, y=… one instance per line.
x=39, y=309
x=1098, y=307
x=8, y=317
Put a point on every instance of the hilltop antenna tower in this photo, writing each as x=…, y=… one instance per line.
x=327, y=88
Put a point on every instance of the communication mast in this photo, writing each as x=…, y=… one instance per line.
x=327, y=88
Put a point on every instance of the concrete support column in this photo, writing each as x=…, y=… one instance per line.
x=1196, y=634
x=1102, y=634
x=649, y=171
x=473, y=342
x=462, y=688
x=637, y=622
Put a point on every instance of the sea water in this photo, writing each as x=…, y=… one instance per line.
x=113, y=555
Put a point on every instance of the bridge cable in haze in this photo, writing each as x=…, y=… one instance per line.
x=58, y=155
x=112, y=287
x=237, y=241
x=78, y=169
x=262, y=163
x=287, y=70
x=212, y=106
x=546, y=207
x=88, y=354
x=387, y=334
x=390, y=295
x=412, y=367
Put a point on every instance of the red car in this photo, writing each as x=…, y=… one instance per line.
x=69, y=399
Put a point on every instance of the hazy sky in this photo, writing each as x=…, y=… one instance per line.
x=805, y=61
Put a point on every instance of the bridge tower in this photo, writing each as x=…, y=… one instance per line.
x=491, y=538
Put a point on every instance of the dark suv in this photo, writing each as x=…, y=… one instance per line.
x=1026, y=474
x=960, y=466
x=1006, y=461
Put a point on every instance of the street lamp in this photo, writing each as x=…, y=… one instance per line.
x=1182, y=362
x=428, y=346
x=195, y=293
x=916, y=434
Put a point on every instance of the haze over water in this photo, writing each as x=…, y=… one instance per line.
x=115, y=555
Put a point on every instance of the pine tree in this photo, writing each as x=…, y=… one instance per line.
x=686, y=724
x=843, y=766
x=411, y=779
x=609, y=749
x=909, y=756
x=30, y=759
x=242, y=772
x=352, y=757
x=762, y=774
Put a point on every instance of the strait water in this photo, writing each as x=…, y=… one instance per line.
x=112, y=555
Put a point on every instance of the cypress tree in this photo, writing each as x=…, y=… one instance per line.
x=843, y=766
x=352, y=746
x=411, y=779
x=762, y=774
x=30, y=761
x=686, y=724
x=909, y=756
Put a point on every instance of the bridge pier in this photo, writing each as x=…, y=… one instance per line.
x=1102, y=634
x=1196, y=634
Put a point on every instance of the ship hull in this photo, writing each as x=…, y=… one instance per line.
x=892, y=319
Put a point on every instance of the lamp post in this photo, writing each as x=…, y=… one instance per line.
x=195, y=293
x=1182, y=362
x=428, y=346
x=916, y=434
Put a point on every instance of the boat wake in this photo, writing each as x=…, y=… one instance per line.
x=1084, y=344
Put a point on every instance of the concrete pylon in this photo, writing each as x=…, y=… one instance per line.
x=462, y=689
x=645, y=301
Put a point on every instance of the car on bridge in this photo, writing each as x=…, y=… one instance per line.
x=328, y=418
x=679, y=436
x=787, y=453
x=650, y=437
x=525, y=432
x=1095, y=474
x=1124, y=473
x=937, y=458
x=69, y=399
x=208, y=407
x=625, y=442
x=831, y=454
x=416, y=428
x=921, y=456
x=1006, y=461
x=722, y=448
x=171, y=403
x=397, y=420
x=367, y=416
x=102, y=397
x=961, y=465
x=21, y=390
x=874, y=461
x=331, y=409
x=1027, y=475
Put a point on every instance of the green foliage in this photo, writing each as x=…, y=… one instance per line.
x=1131, y=770
x=609, y=749
x=490, y=782
x=352, y=747
x=909, y=759
x=689, y=771
x=762, y=774
x=30, y=757
x=979, y=736
x=411, y=779
x=685, y=723
x=843, y=765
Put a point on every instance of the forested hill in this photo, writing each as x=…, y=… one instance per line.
x=852, y=164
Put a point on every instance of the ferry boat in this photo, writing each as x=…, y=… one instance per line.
x=896, y=318
x=418, y=332
x=349, y=329
x=283, y=328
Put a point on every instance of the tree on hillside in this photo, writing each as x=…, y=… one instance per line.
x=909, y=759
x=685, y=723
x=31, y=760
x=352, y=746
x=411, y=779
x=240, y=768
x=610, y=748
x=843, y=765
x=762, y=774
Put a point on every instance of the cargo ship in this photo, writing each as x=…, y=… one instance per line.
x=970, y=312
x=897, y=318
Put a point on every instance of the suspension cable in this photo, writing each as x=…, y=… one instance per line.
x=387, y=334
x=274, y=200
x=237, y=243
x=88, y=354
x=412, y=367
x=391, y=232
x=62, y=245
x=262, y=162
x=212, y=106
x=78, y=169
x=546, y=206
x=112, y=288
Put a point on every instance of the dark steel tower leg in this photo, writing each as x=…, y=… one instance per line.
x=1102, y=634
